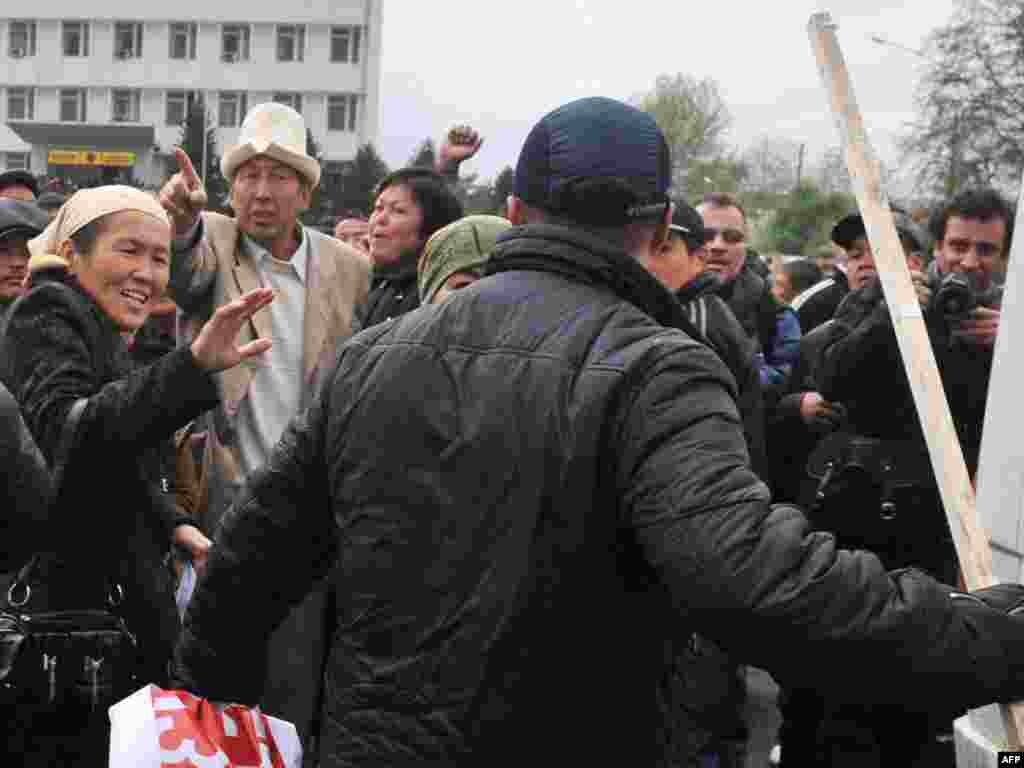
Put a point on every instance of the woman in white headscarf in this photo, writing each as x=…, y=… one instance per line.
x=65, y=343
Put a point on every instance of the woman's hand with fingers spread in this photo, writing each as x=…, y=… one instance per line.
x=216, y=347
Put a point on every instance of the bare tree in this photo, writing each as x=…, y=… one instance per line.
x=771, y=165
x=970, y=103
x=830, y=172
x=694, y=119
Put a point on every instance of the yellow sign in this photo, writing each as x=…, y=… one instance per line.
x=89, y=157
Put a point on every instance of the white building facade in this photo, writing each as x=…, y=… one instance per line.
x=103, y=97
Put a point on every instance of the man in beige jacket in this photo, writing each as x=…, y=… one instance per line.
x=317, y=280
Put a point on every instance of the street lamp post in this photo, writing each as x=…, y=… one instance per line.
x=882, y=41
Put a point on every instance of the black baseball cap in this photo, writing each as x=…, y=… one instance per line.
x=688, y=225
x=50, y=201
x=20, y=178
x=595, y=161
x=18, y=217
x=852, y=226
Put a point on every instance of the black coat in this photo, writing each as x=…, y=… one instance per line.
x=25, y=488
x=393, y=292
x=111, y=519
x=817, y=305
x=749, y=296
x=713, y=319
x=790, y=439
x=862, y=359
x=861, y=367
x=516, y=495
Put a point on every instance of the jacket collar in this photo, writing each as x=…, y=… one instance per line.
x=398, y=271
x=588, y=259
x=741, y=287
x=701, y=285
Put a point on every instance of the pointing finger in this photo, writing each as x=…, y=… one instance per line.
x=187, y=169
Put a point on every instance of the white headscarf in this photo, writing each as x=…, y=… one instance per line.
x=84, y=207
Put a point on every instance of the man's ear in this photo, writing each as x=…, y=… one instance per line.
x=305, y=196
x=516, y=210
x=915, y=262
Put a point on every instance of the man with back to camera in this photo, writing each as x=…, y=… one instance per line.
x=564, y=476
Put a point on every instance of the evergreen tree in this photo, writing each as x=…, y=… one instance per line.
x=314, y=213
x=197, y=123
x=425, y=156
x=504, y=185
x=365, y=172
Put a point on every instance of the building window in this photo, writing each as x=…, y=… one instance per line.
x=22, y=39
x=18, y=161
x=21, y=103
x=345, y=44
x=341, y=112
x=183, y=40
x=235, y=42
x=179, y=104
x=126, y=106
x=72, y=105
x=127, y=40
x=232, y=108
x=293, y=100
x=75, y=38
x=291, y=43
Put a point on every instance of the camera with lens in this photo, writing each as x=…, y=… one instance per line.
x=958, y=295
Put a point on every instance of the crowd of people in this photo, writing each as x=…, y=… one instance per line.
x=537, y=487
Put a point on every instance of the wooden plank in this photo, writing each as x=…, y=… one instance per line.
x=947, y=459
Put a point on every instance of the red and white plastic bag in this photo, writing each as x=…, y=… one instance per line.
x=157, y=728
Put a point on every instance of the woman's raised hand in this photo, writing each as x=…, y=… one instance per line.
x=216, y=348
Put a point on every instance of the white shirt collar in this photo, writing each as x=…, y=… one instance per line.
x=298, y=261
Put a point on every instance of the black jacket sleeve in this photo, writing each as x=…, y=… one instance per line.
x=862, y=346
x=754, y=579
x=51, y=352
x=273, y=544
x=25, y=487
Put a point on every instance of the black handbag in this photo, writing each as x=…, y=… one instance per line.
x=53, y=657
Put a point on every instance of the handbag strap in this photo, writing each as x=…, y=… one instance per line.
x=60, y=460
x=67, y=439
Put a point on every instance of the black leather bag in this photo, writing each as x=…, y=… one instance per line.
x=865, y=490
x=55, y=657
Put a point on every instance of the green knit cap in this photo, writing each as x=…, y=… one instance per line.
x=462, y=246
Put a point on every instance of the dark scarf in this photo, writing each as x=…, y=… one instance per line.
x=701, y=285
x=395, y=272
x=586, y=258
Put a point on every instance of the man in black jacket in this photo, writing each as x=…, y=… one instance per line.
x=881, y=492
x=19, y=223
x=772, y=326
x=518, y=494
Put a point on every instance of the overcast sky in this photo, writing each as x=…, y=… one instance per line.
x=501, y=65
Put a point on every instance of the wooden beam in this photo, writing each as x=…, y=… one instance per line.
x=972, y=544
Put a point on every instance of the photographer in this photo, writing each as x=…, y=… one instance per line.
x=872, y=483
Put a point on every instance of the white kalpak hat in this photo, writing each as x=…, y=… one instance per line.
x=277, y=131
